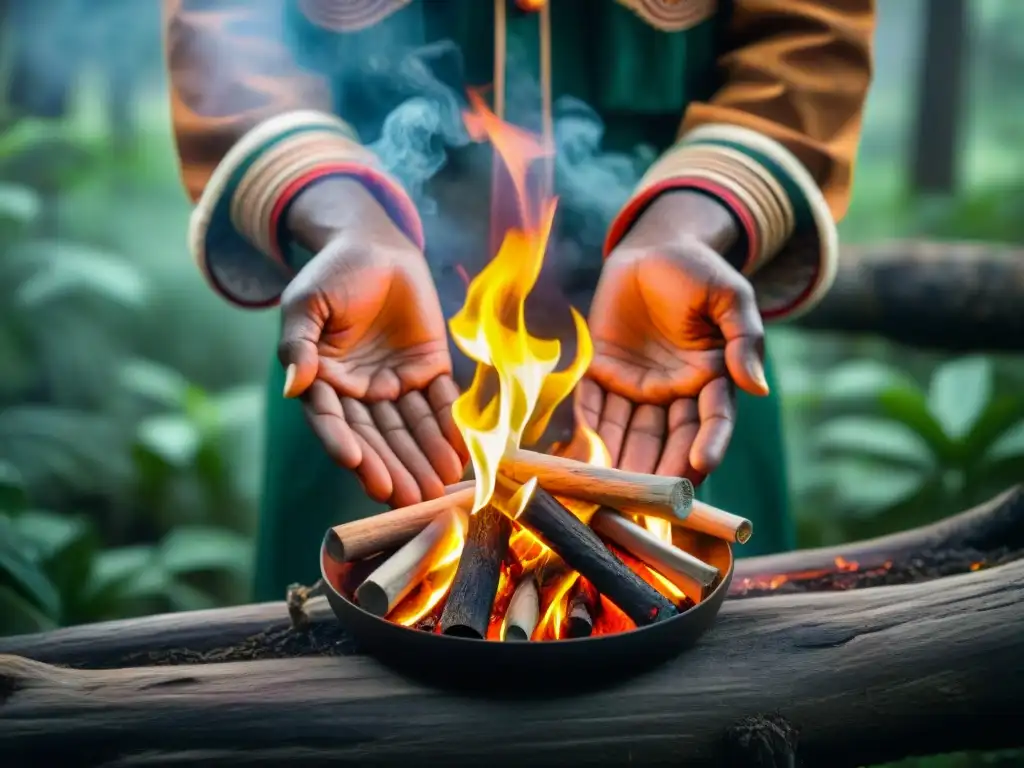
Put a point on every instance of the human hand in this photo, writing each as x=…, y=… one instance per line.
x=364, y=344
x=675, y=327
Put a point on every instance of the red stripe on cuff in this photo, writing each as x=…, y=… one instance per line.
x=392, y=197
x=636, y=206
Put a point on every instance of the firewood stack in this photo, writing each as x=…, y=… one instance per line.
x=564, y=549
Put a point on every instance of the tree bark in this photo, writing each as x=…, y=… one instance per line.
x=940, y=95
x=863, y=676
x=957, y=297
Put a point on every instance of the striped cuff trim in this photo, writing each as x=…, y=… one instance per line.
x=724, y=194
x=234, y=229
x=793, y=280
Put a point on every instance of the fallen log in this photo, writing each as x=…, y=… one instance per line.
x=233, y=632
x=998, y=524
x=963, y=297
x=863, y=676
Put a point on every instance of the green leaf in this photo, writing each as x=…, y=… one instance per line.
x=1002, y=414
x=127, y=572
x=884, y=440
x=865, y=380
x=866, y=489
x=910, y=409
x=19, y=205
x=21, y=572
x=192, y=549
x=959, y=392
x=184, y=597
x=12, y=488
x=48, y=533
x=68, y=270
x=155, y=382
x=1009, y=446
x=20, y=617
x=171, y=437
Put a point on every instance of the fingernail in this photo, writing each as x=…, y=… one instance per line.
x=757, y=373
x=289, y=379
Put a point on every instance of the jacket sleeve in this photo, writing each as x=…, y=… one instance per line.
x=777, y=141
x=253, y=129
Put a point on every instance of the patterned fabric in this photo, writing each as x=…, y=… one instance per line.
x=764, y=185
x=349, y=15
x=672, y=15
x=235, y=230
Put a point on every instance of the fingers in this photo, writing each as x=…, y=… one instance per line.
x=441, y=394
x=421, y=422
x=382, y=472
x=588, y=403
x=301, y=326
x=612, y=426
x=736, y=313
x=683, y=423
x=327, y=420
x=644, y=439
x=716, y=407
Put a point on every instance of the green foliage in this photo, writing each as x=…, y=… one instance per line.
x=125, y=489
x=891, y=453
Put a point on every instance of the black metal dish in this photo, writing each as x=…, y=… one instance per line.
x=555, y=664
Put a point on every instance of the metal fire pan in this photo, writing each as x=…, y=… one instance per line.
x=508, y=667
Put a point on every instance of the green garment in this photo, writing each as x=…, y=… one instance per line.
x=640, y=92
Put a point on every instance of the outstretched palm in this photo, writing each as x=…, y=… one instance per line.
x=364, y=343
x=674, y=327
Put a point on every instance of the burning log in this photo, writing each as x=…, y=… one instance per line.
x=361, y=538
x=582, y=549
x=523, y=610
x=579, y=618
x=400, y=573
x=707, y=519
x=693, y=576
x=669, y=498
x=468, y=609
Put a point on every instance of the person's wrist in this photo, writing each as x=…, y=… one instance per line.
x=332, y=207
x=682, y=215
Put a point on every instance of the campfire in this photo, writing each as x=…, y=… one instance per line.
x=539, y=546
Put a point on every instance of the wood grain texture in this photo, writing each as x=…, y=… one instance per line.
x=583, y=550
x=361, y=538
x=996, y=523
x=865, y=677
x=467, y=610
x=962, y=297
x=693, y=576
x=665, y=497
x=523, y=610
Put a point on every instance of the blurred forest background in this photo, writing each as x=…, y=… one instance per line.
x=130, y=394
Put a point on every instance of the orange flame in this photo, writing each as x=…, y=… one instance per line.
x=491, y=326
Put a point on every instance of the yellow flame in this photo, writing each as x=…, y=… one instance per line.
x=490, y=328
x=434, y=586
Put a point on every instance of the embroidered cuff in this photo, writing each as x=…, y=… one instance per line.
x=236, y=233
x=790, y=232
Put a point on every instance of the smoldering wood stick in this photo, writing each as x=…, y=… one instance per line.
x=690, y=574
x=582, y=608
x=387, y=586
x=707, y=519
x=523, y=610
x=582, y=549
x=467, y=611
x=666, y=497
x=362, y=538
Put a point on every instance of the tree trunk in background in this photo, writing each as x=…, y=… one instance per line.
x=940, y=96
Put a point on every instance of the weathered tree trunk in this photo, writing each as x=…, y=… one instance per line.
x=960, y=297
x=835, y=679
x=863, y=676
x=940, y=96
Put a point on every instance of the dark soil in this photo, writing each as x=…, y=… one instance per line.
x=328, y=638
x=924, y=567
